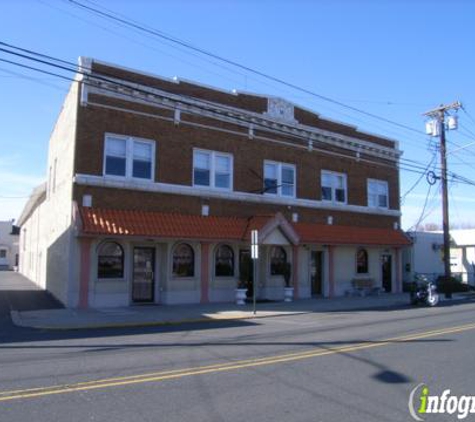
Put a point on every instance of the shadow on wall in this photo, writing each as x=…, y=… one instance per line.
x=60, y=263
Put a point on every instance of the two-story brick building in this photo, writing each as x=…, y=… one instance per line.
x=154, y=185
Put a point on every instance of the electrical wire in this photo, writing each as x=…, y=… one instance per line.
x=70, y=67
x=408, y=165
x=129, y=23
x=434, y=155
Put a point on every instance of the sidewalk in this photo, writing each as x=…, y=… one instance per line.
x=155, y=315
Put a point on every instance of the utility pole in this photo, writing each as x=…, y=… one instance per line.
x=437, y=127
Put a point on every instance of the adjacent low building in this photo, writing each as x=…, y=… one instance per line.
x=154, y=186
x=426, y=256
x=9, y=238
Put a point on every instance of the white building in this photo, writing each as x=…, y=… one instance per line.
x=427, y=255
x=9, y=237
x=462, y=254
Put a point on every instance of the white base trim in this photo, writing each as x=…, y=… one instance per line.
x=109, y=300
x=180, y=298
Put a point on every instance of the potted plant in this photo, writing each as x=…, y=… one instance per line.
x=244, y=274
x=288, y=289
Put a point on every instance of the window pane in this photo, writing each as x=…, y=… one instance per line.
x=339, y=182
x=115, y=166
x=326, y=193
x=383, y=201
x=223, y=164
x=326, y=180
x=222, y=172
x=362, y=261
x=143, y=151
x=270, y=185
x=288, y=175
x=340, y=195
x=373, y=200
x=115, y=146
x=201, y=160
x=224, y=262
x=110, y=261
x=142, y=169
x=287, y=190
x=116, y=156
x=270, y=171
x=222, y=181
x=183, y=261
x=201, y=177
x=277, y=260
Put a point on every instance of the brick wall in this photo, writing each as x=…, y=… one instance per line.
x=174, y=154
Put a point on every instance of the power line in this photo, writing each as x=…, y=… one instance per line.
x=434, y=155
x=114, y=17
x=468, y=114
x=405, y=164
x=410, y=166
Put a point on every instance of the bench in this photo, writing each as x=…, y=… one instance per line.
x=363, y=286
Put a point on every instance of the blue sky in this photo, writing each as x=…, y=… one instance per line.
x=396, y=59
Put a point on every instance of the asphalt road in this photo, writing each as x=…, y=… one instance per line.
x=346, y=366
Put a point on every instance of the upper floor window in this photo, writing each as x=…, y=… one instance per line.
x=334, y=187
x=279, y=179
x=224, y=263
x=378, y=194
x=129, y=157
x=212, y=169
x=110, y=260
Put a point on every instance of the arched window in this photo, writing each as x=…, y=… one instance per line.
x=110, y=260
x=224, y=261
x=362, y=261
x=183, y=261
x=278, y=258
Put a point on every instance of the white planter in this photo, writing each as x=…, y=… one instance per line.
x=241, y=295
x=288, y=294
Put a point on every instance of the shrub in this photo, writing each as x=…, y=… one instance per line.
x=451, y=285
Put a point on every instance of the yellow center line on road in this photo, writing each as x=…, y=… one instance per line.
x=221, y=367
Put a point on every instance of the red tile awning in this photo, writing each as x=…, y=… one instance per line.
x=349, y=235
x=106, y=222
x=153, y=224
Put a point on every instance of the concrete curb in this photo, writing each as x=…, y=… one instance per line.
x=19, y=322
x=17, y=319
x=233, y=315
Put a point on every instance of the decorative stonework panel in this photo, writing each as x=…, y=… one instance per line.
x=280, y=109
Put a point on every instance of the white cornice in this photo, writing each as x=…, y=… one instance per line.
x=177, y=80
x=106, y=182
x=134, y=92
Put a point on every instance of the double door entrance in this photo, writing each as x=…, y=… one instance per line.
x=143, y=281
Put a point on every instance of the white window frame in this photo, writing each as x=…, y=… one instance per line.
x=280, y=167
x=379, y=183
x=129, y=157
x=212, y=170
x=333, y=175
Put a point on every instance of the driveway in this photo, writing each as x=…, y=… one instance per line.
x=17, y=293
